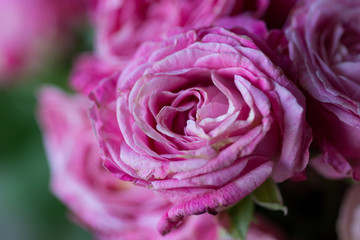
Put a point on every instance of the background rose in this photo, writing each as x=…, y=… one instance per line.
x=204, y=118
x=324, y=44
x=97, y=200
x=121, y=26
x=349, y=215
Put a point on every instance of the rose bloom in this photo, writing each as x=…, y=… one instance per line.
x=349, y=216
x=203, y=117
x=110, y=208
x=324, y=43
x=27, y=27
x=121, y=26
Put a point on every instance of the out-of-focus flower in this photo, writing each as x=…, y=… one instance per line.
x=110, y=208
x=34, y=31
x=324, y=44
x=98, y=201
x=204, y=118
x=27, y=28
x=349, y=216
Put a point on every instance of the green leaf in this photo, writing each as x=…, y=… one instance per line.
x=241, y=215
x=268, y=196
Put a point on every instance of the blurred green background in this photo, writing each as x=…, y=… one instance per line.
x=28, y=210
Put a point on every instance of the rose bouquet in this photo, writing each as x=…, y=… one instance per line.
x=189, y=109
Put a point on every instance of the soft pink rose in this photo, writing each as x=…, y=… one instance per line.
x=204, y=118
x=348, y=224
x=26, y=28
x=324, y=44
x=121, y=26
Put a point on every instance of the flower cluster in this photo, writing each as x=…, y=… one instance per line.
x=187, y=108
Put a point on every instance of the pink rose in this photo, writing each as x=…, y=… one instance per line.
x=26, y=28
x=121, y=26
x=204, y=118
x=324, y=44
x=109, y=207
x=349, y=216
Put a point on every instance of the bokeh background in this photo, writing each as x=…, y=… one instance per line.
x=28, y=210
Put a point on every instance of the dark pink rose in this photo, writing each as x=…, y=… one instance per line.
x=324, y=44
x=204, y=118
x=26, y=30
x=349, y=215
